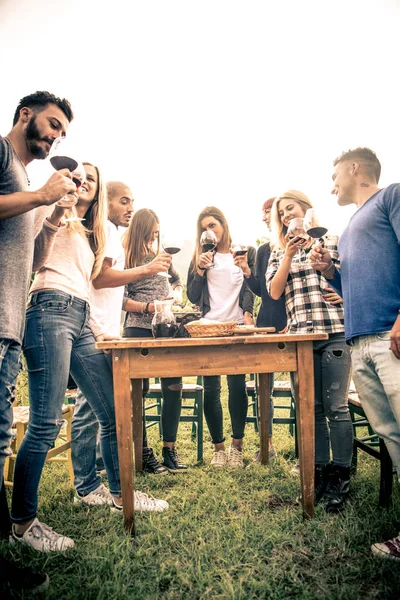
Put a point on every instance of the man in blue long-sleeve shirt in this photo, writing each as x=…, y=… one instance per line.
x=370, y=281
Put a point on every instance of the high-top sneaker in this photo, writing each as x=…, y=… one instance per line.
x=337, y=488
x=172, y=462
x=151, y=464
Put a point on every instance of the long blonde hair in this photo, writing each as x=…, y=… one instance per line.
x=94, y=227
x=226, y=239
x=138, y=237
x=278, y=229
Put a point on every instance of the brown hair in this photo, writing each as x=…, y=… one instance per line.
x=137, y=237
x=278, y=229
x=367, y=159
x=226, y=240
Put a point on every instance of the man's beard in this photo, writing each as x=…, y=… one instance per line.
x=32, y=136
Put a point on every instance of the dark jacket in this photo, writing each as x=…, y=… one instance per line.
x=197, y=288
x=272, y=313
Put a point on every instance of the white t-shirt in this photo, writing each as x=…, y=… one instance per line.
x=106, y=304
x=224, y=283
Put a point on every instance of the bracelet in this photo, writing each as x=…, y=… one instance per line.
x=143, y=307
x=329, y=268
x=201, y=268
x=146, y=310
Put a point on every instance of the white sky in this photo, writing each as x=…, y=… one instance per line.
x=215, y=101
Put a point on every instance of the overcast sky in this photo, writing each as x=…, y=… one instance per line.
x=212, y=102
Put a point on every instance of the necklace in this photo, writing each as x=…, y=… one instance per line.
x=23, y=166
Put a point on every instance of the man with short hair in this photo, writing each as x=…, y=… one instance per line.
x=369, y=277
x=39, y=119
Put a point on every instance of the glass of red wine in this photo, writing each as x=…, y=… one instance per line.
x=238, y=250
x=208, y=243
x=296, y=230
x=61, y=158
x=313, y=226
x=171, y=245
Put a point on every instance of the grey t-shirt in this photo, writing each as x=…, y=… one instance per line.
x=16, y=248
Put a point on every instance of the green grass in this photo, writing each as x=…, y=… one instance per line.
x=226, y=536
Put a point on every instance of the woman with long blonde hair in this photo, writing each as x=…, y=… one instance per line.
x=142, y=244
x=222, y=294
x=311, y=306
x=59, y=338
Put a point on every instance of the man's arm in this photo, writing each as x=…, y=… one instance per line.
x=59, y=184
x=110, y=277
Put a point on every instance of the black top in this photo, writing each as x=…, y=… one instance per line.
x=197, y=288
x=272, y=313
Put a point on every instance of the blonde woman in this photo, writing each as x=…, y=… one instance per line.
x=312, y=306
x=59, y=338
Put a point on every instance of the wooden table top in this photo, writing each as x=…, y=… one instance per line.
x=126, y=343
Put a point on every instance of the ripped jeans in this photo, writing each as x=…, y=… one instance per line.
x=10, y=351
x=57, y=340
x=333, y=426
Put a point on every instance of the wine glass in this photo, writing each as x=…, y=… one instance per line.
x=208, y=243
x=296, y=229
x=238, y=250
x=172, y=245
x=313, y=226
x=60, y=157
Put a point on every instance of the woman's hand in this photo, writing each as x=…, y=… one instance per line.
x=59, y=212
x=329, y=295
x=241, y=262
x=106, y=337
x=293, y=245
x=177, y=294
x=248, y=319
x=205, y=260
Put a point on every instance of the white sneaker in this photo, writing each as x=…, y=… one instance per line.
x=235, y=458
x=42, y=538
x=144, y=503
x=219, y=459
x=98, y=497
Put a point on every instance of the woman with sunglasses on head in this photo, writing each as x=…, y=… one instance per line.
x=142, y=244
x=312, y=307
x=217, y=285
x=59, y=338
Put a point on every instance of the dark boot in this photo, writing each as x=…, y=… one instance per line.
x=337, y=488
x=320, y=479
x=172, y=462
x=151, y=464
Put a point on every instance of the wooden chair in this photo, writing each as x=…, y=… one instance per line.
x=20, y=424
x=370, y=445
x=190, y=391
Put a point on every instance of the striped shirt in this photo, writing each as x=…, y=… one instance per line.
x=306, y=309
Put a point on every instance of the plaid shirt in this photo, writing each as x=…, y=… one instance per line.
x=306, y=309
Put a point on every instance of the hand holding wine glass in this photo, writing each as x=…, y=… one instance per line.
x=239, y=253
x=297, y=237
x=314, y=227
x=171, y=245
x=208, y=243
x=61, y=157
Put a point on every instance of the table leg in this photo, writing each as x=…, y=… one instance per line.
x=123, y=418
x=305, y=409
x=137, y=421
x=264, y=412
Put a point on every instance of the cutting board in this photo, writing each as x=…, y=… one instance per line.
x=248, y=329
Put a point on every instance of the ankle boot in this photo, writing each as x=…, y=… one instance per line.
x=320, y=478
x=337, y=488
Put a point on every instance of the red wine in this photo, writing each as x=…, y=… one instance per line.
x=77, y=182
x=63, y=162
x=172, y=249
x=317, y=232
x=208, y=247
x=239, y=252
x=168, y=330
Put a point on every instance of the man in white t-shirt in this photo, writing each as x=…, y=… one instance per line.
x=106, y=298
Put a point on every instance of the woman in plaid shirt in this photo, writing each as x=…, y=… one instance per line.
x=312, y=306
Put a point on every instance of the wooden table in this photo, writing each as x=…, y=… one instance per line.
x=137, y=358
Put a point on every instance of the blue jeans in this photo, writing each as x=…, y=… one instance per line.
x=333, y=426
x=10, y=352
x=57, y=340
x=376, y=374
